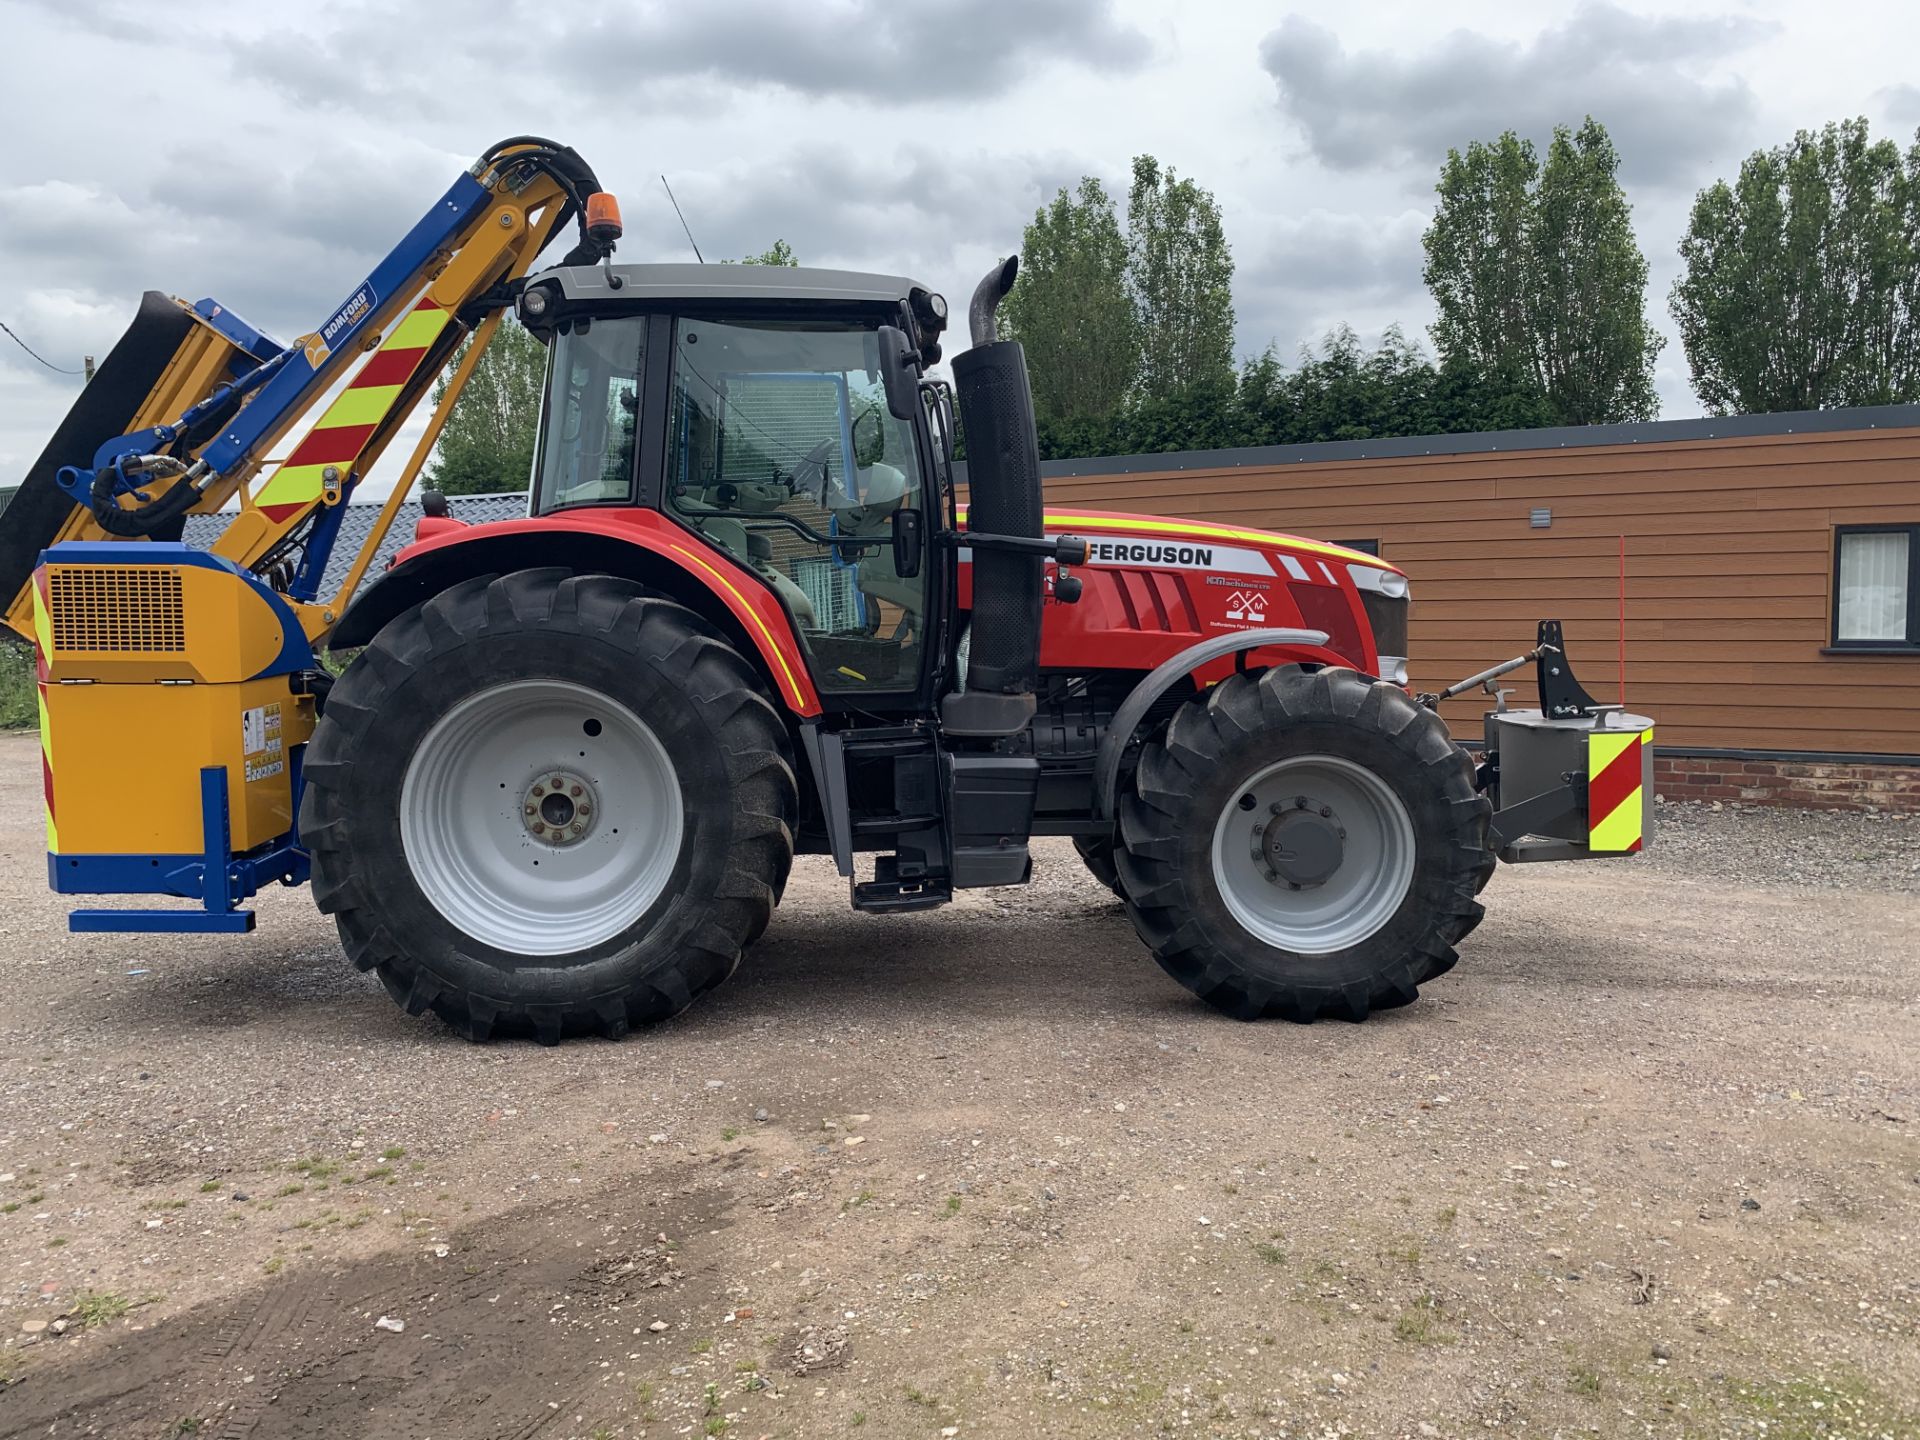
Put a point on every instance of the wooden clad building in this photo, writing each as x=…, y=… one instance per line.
x=1772, y=573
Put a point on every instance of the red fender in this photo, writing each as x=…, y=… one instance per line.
x=760, y=616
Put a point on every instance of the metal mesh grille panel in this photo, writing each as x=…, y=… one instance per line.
x=123, y=609
x=1389, y=620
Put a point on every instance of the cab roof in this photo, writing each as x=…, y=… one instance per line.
x=726, y=282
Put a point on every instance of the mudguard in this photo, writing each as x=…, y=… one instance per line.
x=642, y=545
x=1113, y=745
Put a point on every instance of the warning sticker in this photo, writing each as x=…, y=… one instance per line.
x=260, y=742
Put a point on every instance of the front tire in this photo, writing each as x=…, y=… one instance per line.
x=1097, y=853
x=1304, y=844
x=550, y=804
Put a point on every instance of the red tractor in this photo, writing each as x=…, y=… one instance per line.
x=560, y=785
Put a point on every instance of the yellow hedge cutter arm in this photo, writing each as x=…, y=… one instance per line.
x=213, y=649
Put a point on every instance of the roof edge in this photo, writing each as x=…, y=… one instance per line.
x=1560, y=437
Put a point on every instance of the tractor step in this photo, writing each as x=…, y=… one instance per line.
x=888, y=891
x=878, y=897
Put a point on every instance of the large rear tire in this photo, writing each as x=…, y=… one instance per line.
x=550, y=804
x=1303, y=844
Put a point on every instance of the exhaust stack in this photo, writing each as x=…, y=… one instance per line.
x=1003, y=479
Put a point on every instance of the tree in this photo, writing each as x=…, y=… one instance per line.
x=1339, y=391
x=1180, y=273
x=1801, y=280
x=778, y=253
x=1070, y=307
x=487, y=444
x=1536, y=272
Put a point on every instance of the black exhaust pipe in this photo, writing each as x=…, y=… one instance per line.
x=1003, y=483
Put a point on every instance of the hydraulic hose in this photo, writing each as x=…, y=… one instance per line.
x=151, y=517
x=573, y=174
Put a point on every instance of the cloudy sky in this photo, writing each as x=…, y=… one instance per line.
x=269, y=155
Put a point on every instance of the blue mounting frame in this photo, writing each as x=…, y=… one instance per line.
x=219, y=879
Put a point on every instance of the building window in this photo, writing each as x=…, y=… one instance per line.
x=1365, y=547
x=1876, y=603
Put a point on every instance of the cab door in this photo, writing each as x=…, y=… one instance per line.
x=781, y=451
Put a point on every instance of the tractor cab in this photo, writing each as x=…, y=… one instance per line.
x=778, y=415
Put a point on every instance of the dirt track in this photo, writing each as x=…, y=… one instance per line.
x=1078, y=1203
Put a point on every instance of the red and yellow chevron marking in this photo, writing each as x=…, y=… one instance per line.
x=343, y=431
x=42, y=643
x=1616, y=801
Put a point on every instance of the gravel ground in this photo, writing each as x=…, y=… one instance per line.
x=1645, y=1163
x=1751, y=845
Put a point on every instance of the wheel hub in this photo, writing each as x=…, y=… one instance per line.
x=559, y=808
x=1313, y=853
x=1302, y=845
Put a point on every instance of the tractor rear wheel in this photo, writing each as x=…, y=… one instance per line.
x=550, y=804
x=1304, y=844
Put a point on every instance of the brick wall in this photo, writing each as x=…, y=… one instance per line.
x=1806, y=783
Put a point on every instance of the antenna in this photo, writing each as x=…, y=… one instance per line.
x=683, y=221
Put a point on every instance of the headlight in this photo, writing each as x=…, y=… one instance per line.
x=1393, y=669
x=1371, y=578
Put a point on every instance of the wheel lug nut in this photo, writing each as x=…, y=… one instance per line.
x=573, y=790
x=586, y=810
x=538, y=828
x=1326, y=811
x=539, y=789
x=533, y=809
x=1277, y=808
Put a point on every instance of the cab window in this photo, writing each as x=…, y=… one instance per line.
x=589, y=426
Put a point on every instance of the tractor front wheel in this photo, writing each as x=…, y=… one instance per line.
x=1097, y=854
x=1303, y=844
x=550, y=804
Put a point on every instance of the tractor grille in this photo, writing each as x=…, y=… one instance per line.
x=120, y=609
x=1389, y=620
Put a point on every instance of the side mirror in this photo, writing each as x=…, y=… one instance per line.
x=898, y=368
x=909, y=543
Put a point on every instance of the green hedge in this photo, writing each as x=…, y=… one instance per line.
x=19, y=706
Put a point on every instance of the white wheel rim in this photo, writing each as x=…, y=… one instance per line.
x=470, y=804
x=1368, y=881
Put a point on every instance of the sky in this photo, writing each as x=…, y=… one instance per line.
x=269, y=155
